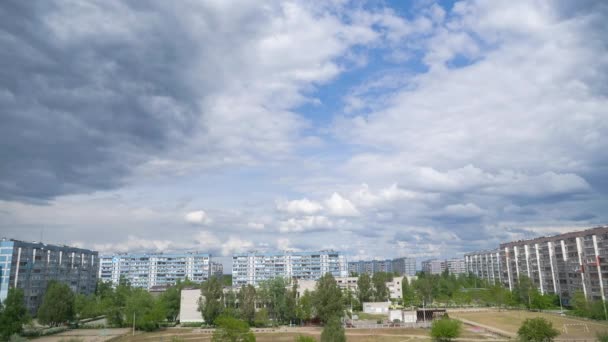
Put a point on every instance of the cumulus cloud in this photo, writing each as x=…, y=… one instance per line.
x=340, y=206
x=197, y=217
x=306, y=223
x=302, y=206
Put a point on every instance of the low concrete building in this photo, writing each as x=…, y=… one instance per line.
x=188, y=308
x=376, y=307
x=402, y=316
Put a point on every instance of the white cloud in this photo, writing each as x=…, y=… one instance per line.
x=467, y=210
x=236, y=245
x=306, y=223
x=340, y=206
x=207, y=241
x=198, y=217
x=256, y=225
x=302, y=206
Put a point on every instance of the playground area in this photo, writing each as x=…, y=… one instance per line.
x=510, y=321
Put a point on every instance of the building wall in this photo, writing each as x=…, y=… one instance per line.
x=253, y=268
x=147, y=270
x=434, y=266
x=485, y=265
x=188, y=308
x=404, y=266
x=30, y=266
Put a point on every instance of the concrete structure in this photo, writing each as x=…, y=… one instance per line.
x=347, y=283
x=376, y=307
x=485, y=265
x=31, y=265
x=188, y=308
x=370, y=267
x=437, y=266
x=561, y=264
x=456, y=266
x=148, y=270
x=404, y=266
x=217, y=269
x=395, y=286
x=253, y=268
x=402, y=316
x=433, y=266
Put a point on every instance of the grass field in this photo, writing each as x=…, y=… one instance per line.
x=510, y=321
x=289, y=334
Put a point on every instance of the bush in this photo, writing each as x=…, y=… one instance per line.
x=43, y=332
x=302, y=338
x=230, y=329
x=445, y=329
x=17, y=338
x=333, y=331
x=191, y=325
x=602, y=336
x=537, y=330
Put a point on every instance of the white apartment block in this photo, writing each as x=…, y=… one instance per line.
x=253, y=268
x=147, y=270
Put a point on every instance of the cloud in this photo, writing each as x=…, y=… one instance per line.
x=302, y=206
x=306, y=223
x=198, y=217
x=468, y=210
x=340, y=206
x=235, y=244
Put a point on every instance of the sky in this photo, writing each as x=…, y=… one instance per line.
x=381, y=129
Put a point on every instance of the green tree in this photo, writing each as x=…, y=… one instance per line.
x=115, y=301
x=304, y=306
x=171, y=298
x=279, y=301
x=211, y=302
x=247, y=297
x=445, y=329
x=537, y=330
x=261, y=318
x=327, y=299
x=379, y=280
x=86, y=306
x=145, y=309
x=230, y=329
x=333, y=331
x=364, y=284
x=57, y=305
x=407, y=292
x=13, y=314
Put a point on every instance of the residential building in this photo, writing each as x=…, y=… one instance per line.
x=254, y=267
x=217, y=269
x=456, y=266
x=151, y=269
x=433, y=266
x=404, y=266
x=485, y=265
x=370, y=267
x=31, y=265
x=561, y=264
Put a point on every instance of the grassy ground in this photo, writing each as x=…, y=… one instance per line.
x=510, y=321
x=368, y=316
x=289, y=335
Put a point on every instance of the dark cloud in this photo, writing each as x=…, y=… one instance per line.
x=80, y=105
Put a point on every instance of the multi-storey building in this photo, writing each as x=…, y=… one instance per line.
x=455, y=266
x=485, y=265
x=404, y=266
x=370, y=266
x=217, y=269
x=561, y=264
x=433, y=266
x=437, y=266
x=253, y=268
x=31, y=265
x=147, y=270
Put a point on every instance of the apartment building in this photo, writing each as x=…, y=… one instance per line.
x=485, y=264
x=455, y=266
x=433, y=266
x=254, y=267
x=217, y=269
x=31, y=265
x=148, y=270
x=404, y=266
x=370, y=267
x=561, y=264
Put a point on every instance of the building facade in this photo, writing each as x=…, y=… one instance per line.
x=485, y=265
x=31, y=265
x=433, y=266
x=370, y=266
x=253, y=268
x=148, y=270
x=456, y=266
x=404, y=266
x=561, y=264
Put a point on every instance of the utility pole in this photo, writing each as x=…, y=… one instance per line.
x=133, y=323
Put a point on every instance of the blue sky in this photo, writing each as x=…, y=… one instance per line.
x=382, y=129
